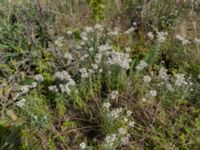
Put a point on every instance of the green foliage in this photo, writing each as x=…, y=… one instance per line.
x=98, y=9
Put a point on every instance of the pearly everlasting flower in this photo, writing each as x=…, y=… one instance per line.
x=197, y=41
x=144, y=99
x=131, y=124
x=99, y=27
x=59, y=41
x=104, y=48
x=129, y=113
x=95, y=66
x=83, y=145
x=34, y=84
x=114, y=94
x=39, y=77
x=100, y=70
x=153, y=93
x=110, y=139
x=65, y=88
x=98, y=58
x=115, y=113
x=150, y=35
x=91, y=49
x=69, y=57
x=127, y=49
x=130, y=30
x=84, y=73
x=106, y=105
x=53, y=88
x=25, y=88
x=21, y=103
x=169, y=87
x=82, y=43
x=122, y=131
x=63, y=75
x=142, y=64
x=83, y=36
x=147, y=79
x=163, y=74
x=180, y=80
x=113, y=33
x=71, y=82
x=69, y=32
x=183, y=40
x=125, y=140
x=161, y=36
x=78, y=47
x=125, y=119
x=120, y=59
x=89, y=29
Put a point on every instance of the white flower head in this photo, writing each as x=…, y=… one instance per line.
x=89, y=29
x=106, y=105
x=114, y=94
x=131, y=124
x=161, y=36
x=122, y=131
x=34, y=84
x=83, y=36
x=183, y=40
x=83, y=145
x=197, y=41
x=121, y=59
x=21, y=103
x=53, y=88
x=84, y=73
x=125, y=140
x=95, y=66
x=163, y=74
x=153, y=93
x=25, y=88
x=110, y=139
x=39, y=77
x=180, y=80
x=142, y=64
x=129, y=113
x=150, y=35
x=147, y=79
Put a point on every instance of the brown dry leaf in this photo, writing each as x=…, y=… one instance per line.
x=10, y=113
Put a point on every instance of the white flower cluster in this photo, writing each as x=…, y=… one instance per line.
x=153, y=93
x=142, y=64
x=115, y=113
x=59, y=41
x=163, y=74
x=182, y=40
x=110, y=139
x=180, y=80
x=114, y=94
x=39, y=77
x=83, y=145
x=121, y=59
x=21, y=103
x=65, y=88
x=106, y=105
x=84, y=73
x=161, y=36
x=104, y=48
x=150, y=35
x=147, y=79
